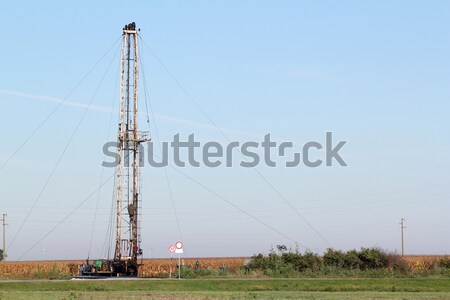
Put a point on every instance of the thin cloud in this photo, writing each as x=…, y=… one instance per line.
x=56, y=100
x=108, y=110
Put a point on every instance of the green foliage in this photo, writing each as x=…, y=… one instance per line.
x=366, y=262
x=258, y=262
x=352, y=260
x=334, y=258
x=366, y=258
x=1, y=254
x=52, y=274
x=287, y=263
x=308, y=261
x=189, y=272
x=372, y=258
x=444, y=262
x=397, y=264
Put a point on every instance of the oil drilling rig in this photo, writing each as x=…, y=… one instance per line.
x=128, y=198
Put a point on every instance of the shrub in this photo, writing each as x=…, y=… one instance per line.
x=352, y=260
x=366, y=262
x=286, y=263
x=372, y=258
x=334, y=258
x=185, y=272
x=310, y=261
x=398, y=264
x=294, y=259
x=257, y=262
x=444, y=262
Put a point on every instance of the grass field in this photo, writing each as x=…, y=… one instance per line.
x=230, y=289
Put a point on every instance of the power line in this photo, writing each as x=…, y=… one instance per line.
x=148, y=104
x=237, y=207
x=232, y=204
x=57, y=107
x=66, y=217
x=226, y=137
x=106, y=248
x=103, y=169
x=62, y=153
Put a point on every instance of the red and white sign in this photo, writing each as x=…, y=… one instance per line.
x=172, y=249
x=179, y=245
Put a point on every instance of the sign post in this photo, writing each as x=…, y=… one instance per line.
x=179, y=250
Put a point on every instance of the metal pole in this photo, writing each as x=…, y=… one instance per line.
x=179, y=265
x=4, y=236
x=402, y=222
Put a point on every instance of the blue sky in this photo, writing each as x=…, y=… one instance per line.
x=375, y=73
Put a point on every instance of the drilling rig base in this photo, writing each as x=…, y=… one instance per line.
x=108, y=268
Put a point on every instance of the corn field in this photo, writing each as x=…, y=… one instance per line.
x=422, y=262
x=150, y=268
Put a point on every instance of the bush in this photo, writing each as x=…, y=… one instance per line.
x=274, y=262
x=366, y=262
x=310, y=261
x=444, y=262
x=334, y=258
x=372, y=258
x=352, y=260
x=398, y=264
x=257, y=262
x=300, y=263
x=285, y=264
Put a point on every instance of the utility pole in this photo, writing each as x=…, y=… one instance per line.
x=4, y=235
x=402, y=226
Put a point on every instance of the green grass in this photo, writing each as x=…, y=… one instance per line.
x=230, y=289
x=222, y=295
